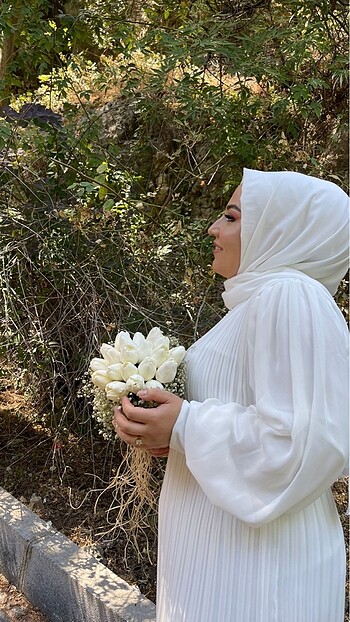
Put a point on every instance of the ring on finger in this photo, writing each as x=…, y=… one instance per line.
x=138, y=442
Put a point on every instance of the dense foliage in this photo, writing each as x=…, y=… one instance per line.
x=155, y=109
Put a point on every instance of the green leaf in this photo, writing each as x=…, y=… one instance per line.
x=103, y=167
x=107, y=206
x=102, y=191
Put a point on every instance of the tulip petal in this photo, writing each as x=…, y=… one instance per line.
x=122, y=334
x=143, y=346
x=147, y=368
x=100, y=378
x=153, y=384
x=125, y=341
x=135, y=383
x=167, y=371
x=115, y=371
x=154, y=334
x=129, y=354
x=128, y=369
x=160, y=355
x=177, y=353
x=110, y=354
x=115, y=390
x=96, y=364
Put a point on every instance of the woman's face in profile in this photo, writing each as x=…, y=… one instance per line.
x=227, y=238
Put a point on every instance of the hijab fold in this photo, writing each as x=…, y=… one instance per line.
x=293, y=225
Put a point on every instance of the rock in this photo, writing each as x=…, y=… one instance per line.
x=35, y=503
x=118, y=119
x=32, y=112
x=96, y=551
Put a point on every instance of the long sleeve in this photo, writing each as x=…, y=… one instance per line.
x=284, y=448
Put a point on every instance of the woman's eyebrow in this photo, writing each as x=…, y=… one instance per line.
x=233, y=206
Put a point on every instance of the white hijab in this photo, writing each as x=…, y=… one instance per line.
x=290, y=222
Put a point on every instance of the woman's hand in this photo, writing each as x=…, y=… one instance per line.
x=149, y=428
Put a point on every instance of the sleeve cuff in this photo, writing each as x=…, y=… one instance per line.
x=177, y=439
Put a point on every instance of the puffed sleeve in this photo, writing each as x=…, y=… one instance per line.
x=281, y=452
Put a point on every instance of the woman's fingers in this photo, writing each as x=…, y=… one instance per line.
x=159, y=453
x=154, y=395
x=152, y=426
x=134, y=413
x=125, y=425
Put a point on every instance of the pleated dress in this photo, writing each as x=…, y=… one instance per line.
x=248, y=528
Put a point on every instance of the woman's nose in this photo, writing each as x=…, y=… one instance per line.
x=213, y=229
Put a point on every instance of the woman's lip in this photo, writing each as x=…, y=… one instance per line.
x=217, y=249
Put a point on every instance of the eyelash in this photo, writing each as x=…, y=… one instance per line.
x=229, y=217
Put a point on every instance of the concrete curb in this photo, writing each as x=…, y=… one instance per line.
x=63, y=581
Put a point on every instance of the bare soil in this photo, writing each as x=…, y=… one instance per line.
x=60, y=478
x=15, y=607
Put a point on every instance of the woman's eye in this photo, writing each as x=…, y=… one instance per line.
x=229, y=217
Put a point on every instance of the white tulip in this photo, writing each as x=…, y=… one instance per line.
x=143, y=346
x=116, y=390
x=160, y=342
x=115, y=371
x=167, y=371
x=128, y=369
x=129, y=354
x=110, y=354
x=147, y=368
x=100, y=378
x=123, y=334
x=154, y=334
x=160, y=355
x=96, y=364
x=178, y=354
x=135, y=383
x=124, y=340
x=153, y=384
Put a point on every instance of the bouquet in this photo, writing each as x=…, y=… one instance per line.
x=124, y=368
x=132, y=364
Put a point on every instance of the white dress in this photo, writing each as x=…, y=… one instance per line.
x=248, y=528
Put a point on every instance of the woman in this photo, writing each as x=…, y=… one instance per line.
x=248, y=528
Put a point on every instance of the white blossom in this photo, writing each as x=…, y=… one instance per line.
x=143, y=346
x=153, y=384
x=160, y=342
x=116, y=390
x=154, y=334
x=124, y=340
x=100, y=378
x=110, y=354
x=147, y=368
x=129, y=354
x=167, y=371
x=135, y=383
x=177, y=353
x=114, y=371
x=128, y=369
x=160, y=355
x=96, y=364
x=121, y=336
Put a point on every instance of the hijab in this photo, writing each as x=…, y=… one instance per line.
x=292, y=225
